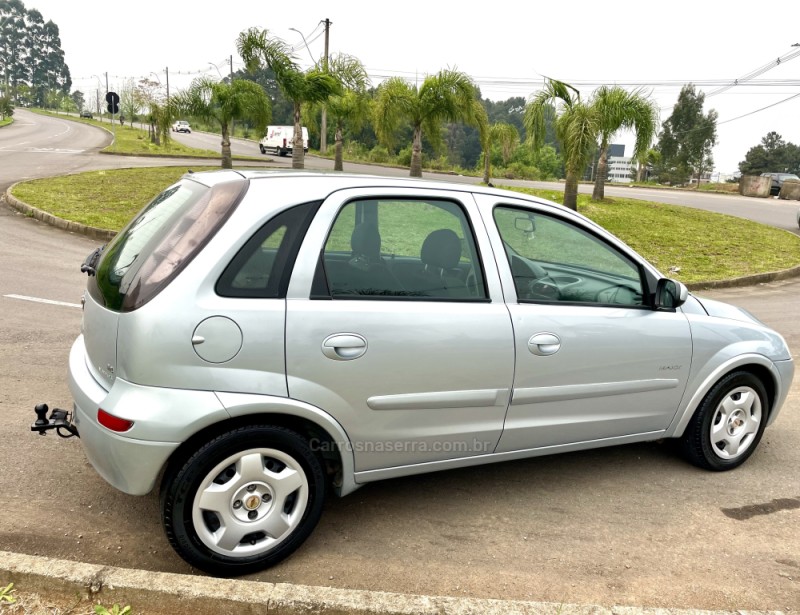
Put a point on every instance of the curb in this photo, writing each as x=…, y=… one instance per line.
x=66, y=225
x=747, y=280
x=163, y=592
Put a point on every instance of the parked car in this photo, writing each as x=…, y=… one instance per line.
x=778, y=179
x=181, y=126
x=86, y=114
x=279, y=140
x=257, y=339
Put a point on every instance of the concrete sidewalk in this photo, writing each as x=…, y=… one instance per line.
x=159, y=592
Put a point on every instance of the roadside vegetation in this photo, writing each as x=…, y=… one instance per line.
x=6, y=121
x=688, y=244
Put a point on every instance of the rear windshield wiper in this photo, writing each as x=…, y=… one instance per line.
x=89, y=266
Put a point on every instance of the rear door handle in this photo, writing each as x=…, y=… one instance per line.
x=344, y=346
x=544, y=344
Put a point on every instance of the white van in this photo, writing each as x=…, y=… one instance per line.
x=279, y=139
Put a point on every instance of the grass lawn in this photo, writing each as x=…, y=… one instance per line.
x=6, y=121
x=705, y=246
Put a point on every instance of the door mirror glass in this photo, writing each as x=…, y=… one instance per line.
x=670, y=293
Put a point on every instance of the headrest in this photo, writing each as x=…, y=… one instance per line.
x=441, y=248
x=366, y=240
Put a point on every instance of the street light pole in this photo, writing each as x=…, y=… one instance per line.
x=217, y=67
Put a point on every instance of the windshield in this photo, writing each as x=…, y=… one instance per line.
x=160, y=241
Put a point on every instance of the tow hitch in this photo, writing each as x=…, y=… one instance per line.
x=60, y=420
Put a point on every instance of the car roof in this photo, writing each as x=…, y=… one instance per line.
x=332, y=181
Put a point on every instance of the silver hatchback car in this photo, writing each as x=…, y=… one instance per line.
x=258, y=339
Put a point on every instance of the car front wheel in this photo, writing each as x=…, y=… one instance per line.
x=727, y=426
x=244, y=501
x=263, y=150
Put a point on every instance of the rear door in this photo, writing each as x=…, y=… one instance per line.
x=397, y=329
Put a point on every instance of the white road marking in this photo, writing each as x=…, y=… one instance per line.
x=47, y=301
x=42, y=150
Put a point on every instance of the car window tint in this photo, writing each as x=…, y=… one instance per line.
x=262, y=267
x=403, y=249
x=555, y=260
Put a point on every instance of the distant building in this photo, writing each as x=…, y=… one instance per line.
x=620, y=167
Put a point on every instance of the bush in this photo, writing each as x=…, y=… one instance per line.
x=403, y=157
x=379, y=154
x=355, y=150
x=519, y=170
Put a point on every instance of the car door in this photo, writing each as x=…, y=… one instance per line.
x=594, y=361
x=397, y=329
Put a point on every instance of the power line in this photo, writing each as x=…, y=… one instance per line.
x=757, y=72
x=759, y=110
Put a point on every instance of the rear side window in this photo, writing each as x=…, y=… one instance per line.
x=263, y=267
x=401, y=248
x=160, y=241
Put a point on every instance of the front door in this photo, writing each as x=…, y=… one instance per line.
x=594, y=360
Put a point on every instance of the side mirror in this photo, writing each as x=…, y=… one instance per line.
x=670, y=294
x=526, y=225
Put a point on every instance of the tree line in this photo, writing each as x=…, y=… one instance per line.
x=32, y=67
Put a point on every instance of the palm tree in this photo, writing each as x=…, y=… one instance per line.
x=351, y=107
x=619, y=109
x=220, y=102
x=507, y=137
x=577, y=127
x=257, y=49
x=449, y=95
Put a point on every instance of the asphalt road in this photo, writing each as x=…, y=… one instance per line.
x=627, y=525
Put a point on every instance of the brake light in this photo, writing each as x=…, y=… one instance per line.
x=284, y=143
x=114, y=423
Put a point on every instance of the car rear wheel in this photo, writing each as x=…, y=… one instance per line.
x=244, y=501
x=727, y=426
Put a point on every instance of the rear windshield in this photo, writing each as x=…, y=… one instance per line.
x=160, y=241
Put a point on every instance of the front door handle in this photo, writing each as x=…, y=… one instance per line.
x=544, y=344
x=344, y=346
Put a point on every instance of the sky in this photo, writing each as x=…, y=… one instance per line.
x=508, y=48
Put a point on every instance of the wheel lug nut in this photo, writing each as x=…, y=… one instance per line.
x=251, y=488
x=252, y=514
x=237, y=504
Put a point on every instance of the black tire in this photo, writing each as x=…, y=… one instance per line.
x=728, y=424
x=223, y=471
x=262, y=148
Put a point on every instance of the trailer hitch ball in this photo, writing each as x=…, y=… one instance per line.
x=41, y=416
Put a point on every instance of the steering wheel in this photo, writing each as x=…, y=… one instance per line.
x=533, y=281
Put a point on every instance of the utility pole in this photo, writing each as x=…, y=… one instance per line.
x=101, y=115
x=323, y=139
x=233, y=129
x=167, y=71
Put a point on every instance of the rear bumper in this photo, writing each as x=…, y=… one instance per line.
x=129, y=465
x=162, y=418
